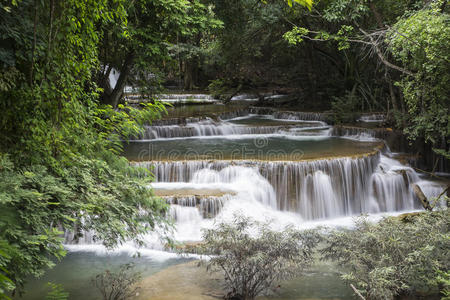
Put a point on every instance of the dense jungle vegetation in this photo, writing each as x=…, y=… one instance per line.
x=61, y=123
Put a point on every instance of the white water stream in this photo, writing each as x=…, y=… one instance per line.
x=306, y=194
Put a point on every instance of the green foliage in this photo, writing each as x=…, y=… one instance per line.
x=160, y=35
x=221, y=88
x=125, y=121
x=443, y=279
x=253, y=257
x=346, y=10
x=421, y=42
x=294, y=36
x=395, y=256
x=306, y=3
x=409, y=40
x=345, y=108
x=59, y=169
x=56, y=292
x=120, y=285
x=90, y=195
x=6, y=284
x=250, y=49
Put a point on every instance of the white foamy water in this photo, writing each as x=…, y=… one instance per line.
x=211, y=128
x=305, y=194
x=379, y=186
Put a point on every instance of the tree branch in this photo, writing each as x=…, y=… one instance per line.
x=357, y=292
x=382, y=57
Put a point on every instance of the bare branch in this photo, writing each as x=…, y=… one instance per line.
x=357, y=292
x=381, y=56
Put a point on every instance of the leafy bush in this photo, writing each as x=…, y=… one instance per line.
x=345, y=108
x=218, y=88
x=395, y=256
x=36, y=206
x=118, y=286
x=56, y=292
x=253, y=257
x=421, y=42
x=59, y=168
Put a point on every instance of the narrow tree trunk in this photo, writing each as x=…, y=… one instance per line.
x=393, y=98
x=188, y=75
x=114, y=97
x=104, y=81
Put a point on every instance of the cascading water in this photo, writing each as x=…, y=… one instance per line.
x=321, y=189
x=313, y=189
x=209, y=206
x=305, y=116
x=372, y=118
x=204, y=128
x=209, y=127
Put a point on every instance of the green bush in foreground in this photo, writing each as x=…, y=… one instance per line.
x=253, y=257
x=395, y=256
x=118, y=285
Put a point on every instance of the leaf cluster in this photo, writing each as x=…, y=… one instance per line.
x=395, y=256
x=252, y=256
x=120, y=285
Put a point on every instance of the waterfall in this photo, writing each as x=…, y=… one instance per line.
x=299, y=192
x=185, y=214
x=372, y=118
x=209, y=127
x=188, y=120
x=206, y=128
x=178, y=121
x=165, y=97
x=296, y=115
x=314, y=189
x=209, y=206
x=357, y=133
x=284, y=115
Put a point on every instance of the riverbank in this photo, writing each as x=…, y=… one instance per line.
x=189, y=281
x=185, y=281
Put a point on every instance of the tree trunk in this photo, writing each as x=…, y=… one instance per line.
x=114, y=97
x=393, y=98
x=190, y=74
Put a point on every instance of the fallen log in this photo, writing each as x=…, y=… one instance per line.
x=425, y=203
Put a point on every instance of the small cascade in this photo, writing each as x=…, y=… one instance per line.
x=297, y=115
x=172, y=98
x=357, y=133
x=206, y=128
x=286, y=115
x=234, y=114
x=185, y=214
x=186, y=98
x=209, y=127
x=188, y=120
x=178, y=121
x=245, y=97
x=372, y=118
x=209, y=206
